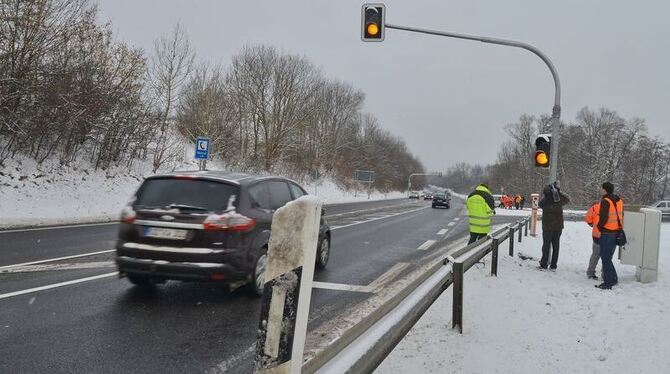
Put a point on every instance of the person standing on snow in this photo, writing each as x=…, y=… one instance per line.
x=610, y=223
x=481, y=207
x=552, y=224
x=591, y=218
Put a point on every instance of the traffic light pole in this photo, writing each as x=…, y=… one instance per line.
x=556, y=111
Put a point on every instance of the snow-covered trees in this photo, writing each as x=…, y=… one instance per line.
x=598, y=146
x=68, y=90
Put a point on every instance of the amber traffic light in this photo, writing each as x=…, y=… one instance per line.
x=543, y=151
x=373, y=22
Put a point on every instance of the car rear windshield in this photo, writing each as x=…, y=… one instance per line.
x=184, y=193
x=441, y=195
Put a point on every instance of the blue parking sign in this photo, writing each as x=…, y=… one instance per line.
x=201, y=148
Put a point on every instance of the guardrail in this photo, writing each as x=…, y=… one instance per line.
x=370, y=347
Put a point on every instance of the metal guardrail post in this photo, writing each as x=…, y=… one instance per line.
x=457, y=305
x=520, y=230
x=511, y=240
x=526, y=225
x=494, y=256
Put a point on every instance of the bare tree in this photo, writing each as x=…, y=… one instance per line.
x=170, y=68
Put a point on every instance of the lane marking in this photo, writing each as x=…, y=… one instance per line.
x=340, y=287
x=56, y=285
x=377, y=219
x=56, y=259
x=451, y=224
x=442, y=232
x=388, y=276
x=457, y=218
x=59, y=227
x=50, y=267
x=426, y=245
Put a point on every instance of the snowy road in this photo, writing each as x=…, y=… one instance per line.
x=73, y=315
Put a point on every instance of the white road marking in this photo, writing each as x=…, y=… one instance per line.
x=442, y=232
x=388, y=276
x=340, y=287
x=426, y=245
x=56, y=259
x=59, y=227
x=451, y=224
x=377, y=219
x=56, y=285
x=49, y=267
x=457, y=218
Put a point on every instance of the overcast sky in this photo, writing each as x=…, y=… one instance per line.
x=449, y=99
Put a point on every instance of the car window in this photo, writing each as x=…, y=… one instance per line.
x=259, y=196
x=196, y=193
x=296, y=190
x=663, y=204
x=279, y=194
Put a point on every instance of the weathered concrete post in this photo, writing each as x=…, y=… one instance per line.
x=288, y=287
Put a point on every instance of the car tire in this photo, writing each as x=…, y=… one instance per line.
x=257, y=283
x=447, y=206
x=433, y=206
x=140, y=281
x=323, y=253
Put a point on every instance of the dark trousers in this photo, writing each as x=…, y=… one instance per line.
x=607, y=248
x=475, y=236
x=550, y=243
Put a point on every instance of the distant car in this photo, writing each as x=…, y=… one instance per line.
x=428, y=196
x=441, y=199
x=205, y=226
x=663, y=206
x=414, y=195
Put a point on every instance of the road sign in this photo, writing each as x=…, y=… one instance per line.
x=365, y=176
x=201, y=148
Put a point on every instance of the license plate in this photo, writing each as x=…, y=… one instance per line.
x=163, y=233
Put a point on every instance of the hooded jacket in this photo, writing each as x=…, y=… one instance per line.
x=552, y=212
x=480, y=206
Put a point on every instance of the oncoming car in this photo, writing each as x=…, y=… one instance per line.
x=205, y=226
x=414, y=194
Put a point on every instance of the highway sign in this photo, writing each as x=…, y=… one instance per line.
x=201, y=148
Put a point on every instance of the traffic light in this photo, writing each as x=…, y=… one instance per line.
x=542, y=150
x=373, y=22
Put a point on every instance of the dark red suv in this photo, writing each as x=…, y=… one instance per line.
x=205, y=226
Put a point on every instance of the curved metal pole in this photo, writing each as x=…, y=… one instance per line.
x=556, y=110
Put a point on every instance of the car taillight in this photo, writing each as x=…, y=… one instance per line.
x=230, y=221
x=128, y=215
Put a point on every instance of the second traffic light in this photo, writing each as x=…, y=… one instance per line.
x=543, y=150
x=372, y=18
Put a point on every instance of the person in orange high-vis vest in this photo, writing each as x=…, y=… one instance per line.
x=591, y=218
x=610, y=222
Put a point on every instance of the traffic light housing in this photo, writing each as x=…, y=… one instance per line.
x=372, y=22
x=543, y=150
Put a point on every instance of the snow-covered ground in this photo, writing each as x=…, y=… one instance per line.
x=50, y=193
x=532, y=321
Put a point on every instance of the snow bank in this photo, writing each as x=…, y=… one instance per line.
x=530, y=321
x=52, y=194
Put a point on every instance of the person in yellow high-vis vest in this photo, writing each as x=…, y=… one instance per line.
x=481, y=207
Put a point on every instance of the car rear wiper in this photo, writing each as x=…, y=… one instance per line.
x=187, y=207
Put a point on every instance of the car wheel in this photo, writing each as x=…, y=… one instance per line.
x=141, y=281
x=447, y=206
x=433, y=206
x=323, y=253
x=257, y=284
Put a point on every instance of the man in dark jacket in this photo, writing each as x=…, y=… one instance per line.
x=552, y=224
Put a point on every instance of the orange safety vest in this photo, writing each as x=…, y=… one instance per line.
x=615, y=215
x=592, y=217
